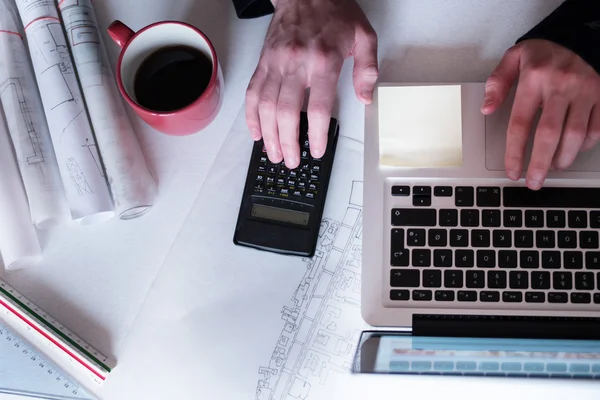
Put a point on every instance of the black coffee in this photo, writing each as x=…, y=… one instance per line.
x=172, y=78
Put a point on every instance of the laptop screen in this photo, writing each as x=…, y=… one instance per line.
x=400, y=353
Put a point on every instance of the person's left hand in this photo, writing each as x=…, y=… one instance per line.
x=568, y=91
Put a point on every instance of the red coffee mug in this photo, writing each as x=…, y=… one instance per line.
x=136, y=46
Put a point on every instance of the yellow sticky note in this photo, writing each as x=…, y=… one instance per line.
x=420, y=126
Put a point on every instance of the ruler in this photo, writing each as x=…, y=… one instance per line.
x=21, y=322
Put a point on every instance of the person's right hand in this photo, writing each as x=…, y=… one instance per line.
x=306, y=44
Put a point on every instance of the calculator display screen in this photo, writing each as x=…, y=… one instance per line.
x=280, y=214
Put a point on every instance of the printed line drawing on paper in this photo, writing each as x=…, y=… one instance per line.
x=320, y=332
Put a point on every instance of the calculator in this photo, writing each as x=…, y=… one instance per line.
x=281, y=208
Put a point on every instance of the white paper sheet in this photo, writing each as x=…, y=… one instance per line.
x=275, y=325
x=28, y=127
x=420, y=126
x=19, y=244
x=76, y=149
x=131, y=183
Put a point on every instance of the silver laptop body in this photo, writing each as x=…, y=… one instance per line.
x=467, y=273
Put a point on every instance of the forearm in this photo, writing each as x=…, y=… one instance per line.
x=574, y=25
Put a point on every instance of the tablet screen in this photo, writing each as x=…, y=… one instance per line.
x=398, y=353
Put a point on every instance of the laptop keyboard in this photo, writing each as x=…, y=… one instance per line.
x=493, y=244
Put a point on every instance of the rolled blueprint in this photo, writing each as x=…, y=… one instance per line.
x=28, y=127
x=19, y=244
x=75, y=147
x=133, y=187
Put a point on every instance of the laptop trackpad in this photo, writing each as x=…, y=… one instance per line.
x=495, y=143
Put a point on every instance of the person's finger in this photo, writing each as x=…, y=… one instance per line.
x=547, y=137
x=366, y=69
x=526, y=104
x=320, y=103
x=289, y=106
x=501, y=80
x=574, y=134
x=593, y=133
x=252, y=99
x=267, y=110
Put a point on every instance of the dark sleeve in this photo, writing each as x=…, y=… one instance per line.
x=575, y=24
x=252, y=8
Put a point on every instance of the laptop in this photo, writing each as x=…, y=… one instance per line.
x=454, y=249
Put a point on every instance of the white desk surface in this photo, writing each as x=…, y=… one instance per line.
x=184, y=320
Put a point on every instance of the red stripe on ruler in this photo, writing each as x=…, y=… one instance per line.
x=60, y=346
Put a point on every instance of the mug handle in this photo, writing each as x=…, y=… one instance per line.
x=120, y=33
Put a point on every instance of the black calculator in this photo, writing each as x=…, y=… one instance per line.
x=282, y=208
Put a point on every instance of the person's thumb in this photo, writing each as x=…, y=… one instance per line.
x=501, y=80
x=365, y=66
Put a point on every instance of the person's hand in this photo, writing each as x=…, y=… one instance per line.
x=306, y=45
x=568, y=91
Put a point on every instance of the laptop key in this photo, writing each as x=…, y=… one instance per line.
x=551, y=260
x=486, y=258
x=459, y=238
x=488, y=197
x=467, y=295
x=437, y=237
x=534, y=218
x=405, y=278
x=584, y=280
x=545, y=239
x=496, y=279
x=592, y=260
x=567, y=239
x=453, y=279
x=449, y=217
x=502, y=238
x=577, y=219
x=442, y=191
x=421, y=257
x=469, y=218
x=562, y=280
x=421, y=201
x=595, y=219
x=432, y=278
x=540, y=280
x=596, y=298
x=442, y=258
x=588, y=239
x=399, y=295
x=464, y=196
x=475, y=279
x=399, y=254
x=523, y=238
x=415, y=237
x=529, y=259
x=512, y=297
x=465, y=258
x=581, y=298
x=519, y=280
x=535, y=297
x=558, y=297
x=489, y=297
x=555, y=219
x=422, y=190
x=444, y=295
x=551, y=197
x=513, y=218
x=573, y=259
x=507, y=258
x=400, y=190
x=490, y=218
x=413, y=217
x=480, y=238
x=422, y=295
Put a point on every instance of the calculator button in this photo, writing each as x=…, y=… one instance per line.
x=259, y=188
x=271, y=190
x=305, y=167
x=304, y=176
x=306, y=144
x=314, y=177
x=293, y=174
x=283, y=171
x=263, y=160
x=270, y=180
x=280, y=182
x=302, y=185
x=316, y=168
x=310, y=195
x=284, y=192
x=291, y=182
x=304, y=154
x=312, y=186
x=272, y=169
x=260, y=178
x=297, y=193
x=262, y=169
